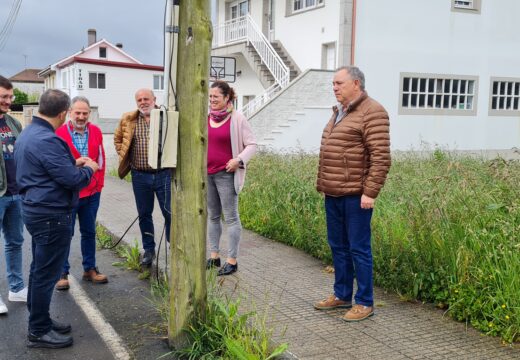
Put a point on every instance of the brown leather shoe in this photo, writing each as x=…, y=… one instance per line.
x=358, y=313
x=95, y=276
x=332, y=302
x=63, y=282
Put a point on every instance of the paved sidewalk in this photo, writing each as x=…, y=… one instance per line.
x=287, y=282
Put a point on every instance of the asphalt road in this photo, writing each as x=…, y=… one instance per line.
x=123, y=306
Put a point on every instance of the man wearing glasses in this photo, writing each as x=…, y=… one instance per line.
x=11, y=221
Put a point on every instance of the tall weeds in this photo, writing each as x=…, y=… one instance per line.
x=446, y=229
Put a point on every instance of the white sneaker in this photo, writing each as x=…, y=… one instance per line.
x=3, y=308
x=18, y=296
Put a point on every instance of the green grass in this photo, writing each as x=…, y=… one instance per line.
x=113, y=172
x=130, y=257
x=103, y=237
x=445, y=229
x=223, y=331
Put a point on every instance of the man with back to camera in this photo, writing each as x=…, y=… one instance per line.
x=353, y=165
x=85, y=140
x=131, y=141
x=10, y=203
x=49, y=180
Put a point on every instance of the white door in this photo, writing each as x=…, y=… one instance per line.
x=271, y=20
x=331, y=56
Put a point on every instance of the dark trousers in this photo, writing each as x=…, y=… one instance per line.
x=145, y=185
x=348, y=232
x=51, y=235
x=87, y=212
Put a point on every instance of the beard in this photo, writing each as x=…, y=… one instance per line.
x=79, y=126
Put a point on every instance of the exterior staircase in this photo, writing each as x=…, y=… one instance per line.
x=274, y=67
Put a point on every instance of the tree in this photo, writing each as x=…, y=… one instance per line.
x=21, y=97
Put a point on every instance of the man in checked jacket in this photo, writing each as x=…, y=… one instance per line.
x=353, y=165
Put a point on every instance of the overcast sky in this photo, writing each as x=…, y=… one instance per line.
x=49, y=30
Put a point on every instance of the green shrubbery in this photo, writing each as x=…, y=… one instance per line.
x=446, y=229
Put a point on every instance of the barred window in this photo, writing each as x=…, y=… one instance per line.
x=302, y=5
x=505, y=96
x=468, y=6
x=437, y=94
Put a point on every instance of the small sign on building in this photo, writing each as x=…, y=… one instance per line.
x=79, y=82
x=223, y=68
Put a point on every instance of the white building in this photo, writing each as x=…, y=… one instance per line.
x=28, y=82
x=447, y=71
x=107, y=76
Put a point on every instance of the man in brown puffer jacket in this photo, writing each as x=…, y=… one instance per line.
x=354, y=161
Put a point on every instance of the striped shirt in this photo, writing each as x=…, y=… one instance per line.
x=139, y=155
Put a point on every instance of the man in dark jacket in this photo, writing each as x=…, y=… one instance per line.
x=354, y=162
x=49, y=181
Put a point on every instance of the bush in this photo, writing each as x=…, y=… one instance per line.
x=21, y=97
x=445, y=229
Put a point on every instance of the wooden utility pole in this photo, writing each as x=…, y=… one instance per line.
x=188, y=233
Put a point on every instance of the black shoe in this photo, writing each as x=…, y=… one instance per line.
x=148, y=257
x=212, y=262
x=227, y=269
x=51, y=340
x=61, y=328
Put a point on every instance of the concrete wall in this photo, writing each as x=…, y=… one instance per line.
x=424, y=36
x=303, y=34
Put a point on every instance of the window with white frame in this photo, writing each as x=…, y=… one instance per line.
x=96, y=80
x=504, y=96
x=158, y=82
x=472, y=6
x=296, y=6
x=438, y=94
x=65, y=79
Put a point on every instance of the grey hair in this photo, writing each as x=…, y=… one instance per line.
x=76, y=99
x=355, y=74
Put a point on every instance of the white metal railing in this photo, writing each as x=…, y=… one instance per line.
x=245, y=29
x=251, y=107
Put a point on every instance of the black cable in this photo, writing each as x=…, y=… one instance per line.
x=121, y=238
x=158, y=252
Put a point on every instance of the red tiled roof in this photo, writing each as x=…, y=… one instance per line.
x=109, y=63
x=27, y=75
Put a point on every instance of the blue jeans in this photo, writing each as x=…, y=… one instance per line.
x=86, y=211
x=349, y=234
x=145, y=185
x=12, y=229
x=222, y=198
x=51, y=235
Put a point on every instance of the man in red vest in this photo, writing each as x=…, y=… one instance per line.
x=85, y=140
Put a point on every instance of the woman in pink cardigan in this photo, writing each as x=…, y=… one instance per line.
x=230, y=146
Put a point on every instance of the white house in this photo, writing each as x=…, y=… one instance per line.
x=447, y=71
x=28, y=82
x=107, y=76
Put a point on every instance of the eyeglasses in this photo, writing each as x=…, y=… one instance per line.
x=8, y=97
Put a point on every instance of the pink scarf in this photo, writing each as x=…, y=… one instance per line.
x=220, y=115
